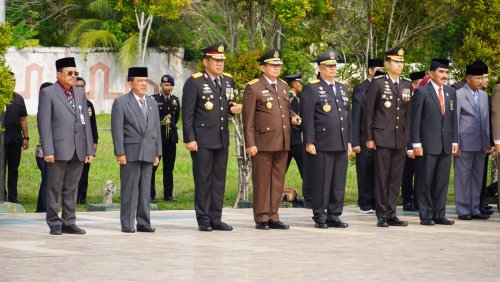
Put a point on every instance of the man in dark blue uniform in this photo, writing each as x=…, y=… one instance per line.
x=207, y=101
x=326, y=123
x=169, y=107
x=365, y=167
x=296, y=146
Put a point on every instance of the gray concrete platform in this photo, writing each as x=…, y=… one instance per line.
x=177, y=251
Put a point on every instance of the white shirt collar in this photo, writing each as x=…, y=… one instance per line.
x=138, y=98
x=270, y=81
x=436, y=87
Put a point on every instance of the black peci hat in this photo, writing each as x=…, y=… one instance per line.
x=67, y=62
x=440, y=63
x=417, y=75
x=373, y=63
x=137, y=72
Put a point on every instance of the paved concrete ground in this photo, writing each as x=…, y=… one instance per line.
x=467, y=251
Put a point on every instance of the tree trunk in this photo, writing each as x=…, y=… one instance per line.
x=149, y=21
x=390, y=24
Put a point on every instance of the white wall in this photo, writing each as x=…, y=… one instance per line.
x=105, y=79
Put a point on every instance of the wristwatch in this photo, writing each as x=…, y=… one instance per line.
x=26, y=138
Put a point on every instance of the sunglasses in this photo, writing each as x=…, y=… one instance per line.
x=71, y=73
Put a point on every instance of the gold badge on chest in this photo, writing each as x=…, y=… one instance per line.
x=387, y=104
x=209, y=106
x=327, y=107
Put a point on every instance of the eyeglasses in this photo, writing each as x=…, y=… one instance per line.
x=71, y=73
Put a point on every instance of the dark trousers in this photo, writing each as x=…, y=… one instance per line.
x=12, y=160
x=268, y=179
x=431, y=180
x=484, y=184
x=328, y=173
x=389, y=164
x=209, y=172
x=169, y=151
x=297, y=152
x=83, y=184
x=62, y=183
x=365, y=174
x=135, y=180
x=407, y=188
x=41, y=205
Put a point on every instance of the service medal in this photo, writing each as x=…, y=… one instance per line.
x=209, y=106
x=269, y=105
x=327, y=108
x=451, y=105
x=174, y=102
x=387, y=104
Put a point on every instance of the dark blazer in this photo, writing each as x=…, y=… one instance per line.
x=387, y=119
x=268, y=129
x=209, y=128
x=327, y=130
x=296, y=133
x=61, y=130
x=435, y=132
x=93, y=122
x=134, y=136
x=358, y=98
x=168, y=106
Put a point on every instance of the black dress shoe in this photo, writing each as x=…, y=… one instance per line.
x=262, y=225
x=382, y=222
x=204, y=226
x=409, y=207
x=395, y=221
x=321, y=224
x=72, y=229
x=486, y=212
x=222, y=226
x=145, y=228
x=465, y=217
x=55, y=230
x=278, y=225
x=337, y=224
x=128, y=230
x=171, y=199
x=427, y=222
x=444, y=221
x=480, y=216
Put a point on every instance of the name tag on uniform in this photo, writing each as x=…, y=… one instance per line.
x=345, y=99
x=82, y=118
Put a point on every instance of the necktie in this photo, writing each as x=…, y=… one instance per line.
x=143, y=108
x=274, y=87
x=217, y=84
x=71, y=100
x=441, y=100
x=476, y=96
x=333, y=88
x=397, y=87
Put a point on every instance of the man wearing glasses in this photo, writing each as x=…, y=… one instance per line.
x=66, y=137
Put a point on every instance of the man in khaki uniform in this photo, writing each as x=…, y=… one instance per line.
x=495, y=121
x=267, y=114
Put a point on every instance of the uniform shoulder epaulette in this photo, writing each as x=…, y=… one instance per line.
x=282, y=80
x=253, y=81
x=313, y=81
x=227, y=74
x=197, y=75
x=407, y=79
x=340, y=83
x=379, y=76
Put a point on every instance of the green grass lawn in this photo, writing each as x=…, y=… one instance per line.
x=104, y=167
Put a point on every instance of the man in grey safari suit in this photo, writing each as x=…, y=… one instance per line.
x=135, y=127
x=473, y=144
x=66, y=138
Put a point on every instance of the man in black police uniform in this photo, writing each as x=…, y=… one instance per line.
x=296, y=146
x=16, y=137
x=206, y=104
x=387, y=126
x=169, y=107
x=326, y=122
x=407, y=188
x=365, y=167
